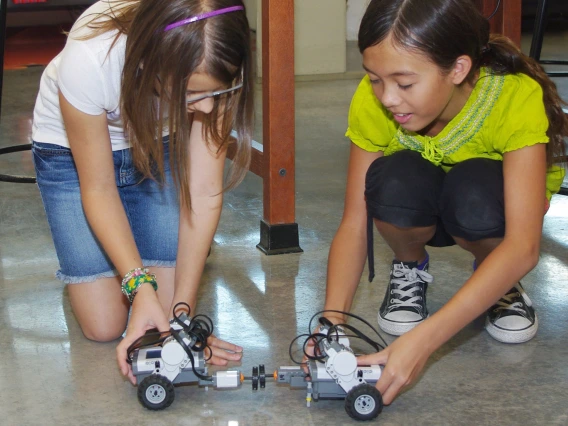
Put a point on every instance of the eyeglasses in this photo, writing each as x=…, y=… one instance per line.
x=191, y=99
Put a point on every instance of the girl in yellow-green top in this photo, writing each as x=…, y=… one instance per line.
x=455, y=136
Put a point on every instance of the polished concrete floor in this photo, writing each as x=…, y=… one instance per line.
x=51, y=375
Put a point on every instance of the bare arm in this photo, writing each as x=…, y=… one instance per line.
x=197, y=228
x=348, y=250
x=524, y=176
x=91, y=147
x=198, y=225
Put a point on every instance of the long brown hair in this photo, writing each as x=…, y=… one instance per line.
x=219, y=46
x=444, y=30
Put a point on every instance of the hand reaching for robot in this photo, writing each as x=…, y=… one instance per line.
x=217, y=351
x=403, y=359
x=220, y=352
x=147, y=313
x=309, y=348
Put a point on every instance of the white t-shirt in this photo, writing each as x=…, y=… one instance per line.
x=88, y=76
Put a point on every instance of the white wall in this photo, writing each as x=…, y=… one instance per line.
x=355, y=11
x=252, y=8
x=320, y=36
x=320, y=33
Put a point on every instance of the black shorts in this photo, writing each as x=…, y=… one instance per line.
x=406, y=190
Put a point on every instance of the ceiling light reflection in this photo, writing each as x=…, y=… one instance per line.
x=235, y=321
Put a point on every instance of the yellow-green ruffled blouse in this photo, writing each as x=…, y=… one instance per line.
x=502, y=114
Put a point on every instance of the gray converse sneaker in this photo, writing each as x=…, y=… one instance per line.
x=404, y=305
x=512, y=319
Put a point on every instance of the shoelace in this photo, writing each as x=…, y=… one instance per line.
x=405, y=280
x=507, y=302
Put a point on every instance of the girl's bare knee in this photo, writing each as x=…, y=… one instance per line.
x=100, y=309
x=464, y=244
x=102, y=333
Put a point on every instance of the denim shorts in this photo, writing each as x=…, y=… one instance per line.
x=152, y=210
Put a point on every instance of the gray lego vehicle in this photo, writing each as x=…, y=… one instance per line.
x=161, y=360
x=334, y=374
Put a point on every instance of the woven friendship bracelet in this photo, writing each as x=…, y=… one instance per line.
x=134, y=279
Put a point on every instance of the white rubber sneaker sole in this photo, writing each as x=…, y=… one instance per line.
x=512, y=336
x=396, y=328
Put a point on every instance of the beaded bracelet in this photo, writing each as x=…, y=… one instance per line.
x=134, y=279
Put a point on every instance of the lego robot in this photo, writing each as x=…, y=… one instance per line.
x=336, y=375
x=178, y=357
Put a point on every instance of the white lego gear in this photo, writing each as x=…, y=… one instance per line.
x=341, y=365
x=173, y=354
x=335, y=375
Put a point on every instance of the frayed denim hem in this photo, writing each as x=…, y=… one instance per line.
x=159, y=263
x=67, y=279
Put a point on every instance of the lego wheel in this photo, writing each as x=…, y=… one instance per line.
x=364, y=402
x=156, y=392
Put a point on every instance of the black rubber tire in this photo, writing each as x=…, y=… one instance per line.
x=161, y=389
x=364, y=402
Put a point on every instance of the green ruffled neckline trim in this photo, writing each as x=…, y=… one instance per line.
x=463, y=127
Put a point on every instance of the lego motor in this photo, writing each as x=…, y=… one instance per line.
x=161, y=360
x=333, y=373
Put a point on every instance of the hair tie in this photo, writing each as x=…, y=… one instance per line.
x=485, y=50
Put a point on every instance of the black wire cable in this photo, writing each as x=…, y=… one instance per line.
x=198, y=331
x=334, y=332
x=358, y=334
x=13, y=178
x=177, y=319
x=358, y=318
x=187, y=350
x=201, y=328
x=308, y=337
x=495, y=11
x=137, y=344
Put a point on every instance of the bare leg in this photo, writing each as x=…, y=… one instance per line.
x=100, y=308
x=406, y=243
x=480, y=249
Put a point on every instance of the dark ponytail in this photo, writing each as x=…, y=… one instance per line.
x=444, y=30
x=504, y=57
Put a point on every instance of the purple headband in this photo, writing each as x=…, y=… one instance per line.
x=203, y=16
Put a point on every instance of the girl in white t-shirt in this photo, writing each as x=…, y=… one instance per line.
x=131, y=128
